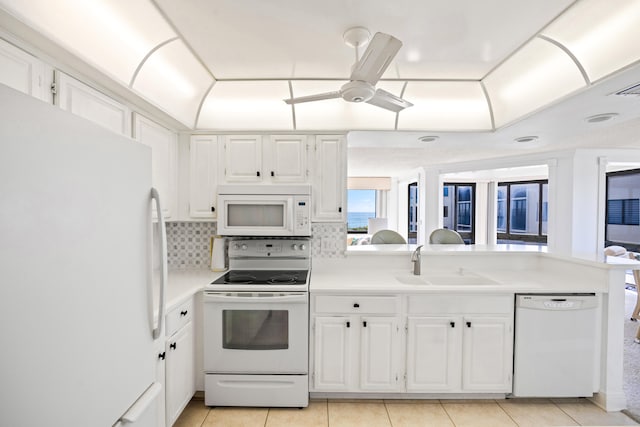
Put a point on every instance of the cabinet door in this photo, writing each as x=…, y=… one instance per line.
x=203, y=181
x=487, y=354
x=163, y=145
x=84, y=101
x=379, y=353
x=180, y=375
x=243, y=158
x=329, y=178
x=433, y=353
x=24, y=72
x=333, y=352
x=288, y=158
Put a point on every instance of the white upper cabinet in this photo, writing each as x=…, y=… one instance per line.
x=329, y=178
x=84, y=101
x=203, y=176
x=24, y=72
x=266, y=159
x=163, y=143
x=288, y=158
x=243, y=158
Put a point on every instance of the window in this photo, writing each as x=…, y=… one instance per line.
x=458, y=209
x=623, y=209
x=361, y=205
x=522, y=209
x=623, y=212
x=412, y=232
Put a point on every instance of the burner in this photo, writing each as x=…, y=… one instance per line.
x=283, y=278
x=239, y=278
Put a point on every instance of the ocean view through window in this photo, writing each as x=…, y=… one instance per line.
x=361, y=205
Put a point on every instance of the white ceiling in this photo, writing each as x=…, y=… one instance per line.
x=480, y=73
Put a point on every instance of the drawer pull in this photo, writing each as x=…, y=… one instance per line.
x=453, y=324
x=468, y=324
x=364, y=324
x=356, y=305
x=348, y=324
x=162, y=355
x=172, y=346
x=184, y=313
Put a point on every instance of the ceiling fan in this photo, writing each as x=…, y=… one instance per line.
x=366, y=72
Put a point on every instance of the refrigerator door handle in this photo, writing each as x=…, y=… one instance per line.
x=141, y=405
x=163, y=263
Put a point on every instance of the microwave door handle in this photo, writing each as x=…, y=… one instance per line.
x=213, y=297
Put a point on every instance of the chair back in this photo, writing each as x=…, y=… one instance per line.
x=386, y=237
x=444, y=236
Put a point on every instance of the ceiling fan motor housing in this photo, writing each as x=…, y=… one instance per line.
x=357, y=91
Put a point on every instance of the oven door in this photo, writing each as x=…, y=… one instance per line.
x=256, y=332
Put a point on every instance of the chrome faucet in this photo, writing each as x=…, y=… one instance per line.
x=415, y=259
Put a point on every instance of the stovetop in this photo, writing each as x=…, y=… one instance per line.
x=263, y=277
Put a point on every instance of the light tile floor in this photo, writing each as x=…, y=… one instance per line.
x=408, y=413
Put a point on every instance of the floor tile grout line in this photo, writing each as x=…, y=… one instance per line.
x=447, y=412
x=386, y=409
x=505, y=411
x=565, y=412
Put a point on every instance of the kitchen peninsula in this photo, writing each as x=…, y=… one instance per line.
x=370, y=317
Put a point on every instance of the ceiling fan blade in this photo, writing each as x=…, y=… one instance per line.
x=388, y=101
x=376, y=58
x=318, y=97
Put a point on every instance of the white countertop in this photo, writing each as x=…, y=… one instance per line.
x=183, y=284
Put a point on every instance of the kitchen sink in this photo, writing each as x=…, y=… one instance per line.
x=458, y=278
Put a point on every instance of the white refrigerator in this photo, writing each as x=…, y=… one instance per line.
x=79, y=327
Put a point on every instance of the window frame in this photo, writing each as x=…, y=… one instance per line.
x=507, y=234
x=468, y=236
x=630, y=246
x=375, y=207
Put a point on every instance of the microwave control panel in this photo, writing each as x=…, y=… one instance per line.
x=302, y=215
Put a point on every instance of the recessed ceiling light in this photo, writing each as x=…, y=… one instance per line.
x=601, y=117
x=428, y=138
x=530, y=138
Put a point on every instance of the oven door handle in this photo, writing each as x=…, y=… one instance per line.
x=263, y=297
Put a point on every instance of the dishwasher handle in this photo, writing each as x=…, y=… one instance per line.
x=557, y=302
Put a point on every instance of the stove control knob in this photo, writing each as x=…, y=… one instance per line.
x=303, y=247
x=294, y=247
x=244, y=247
x=236, y=247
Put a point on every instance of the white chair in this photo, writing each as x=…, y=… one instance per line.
x=386, y=237
x=444, y=236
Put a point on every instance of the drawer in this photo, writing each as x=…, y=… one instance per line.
x=354, y=304
x=179, y=316
x=466, y=304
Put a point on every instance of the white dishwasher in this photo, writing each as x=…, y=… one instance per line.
x=555, y=349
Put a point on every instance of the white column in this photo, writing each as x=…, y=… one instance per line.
x=431, y=204
x=492, y=213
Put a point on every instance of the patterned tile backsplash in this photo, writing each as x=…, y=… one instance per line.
x=188, y=243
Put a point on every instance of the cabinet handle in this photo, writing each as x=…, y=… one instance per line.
x=468, y=324
x=356, y=305
x=213, y=208
x=162, y=355
x=172, y=346
x=348, y=324
x=183, y=313
x=364, y=324
x=257, y=173
x=453, y=324
x=340, y=209
x=273, y=173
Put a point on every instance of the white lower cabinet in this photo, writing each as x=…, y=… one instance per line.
x=453, y=343
x=459, y=354
x=179, y=361
x=356, y=352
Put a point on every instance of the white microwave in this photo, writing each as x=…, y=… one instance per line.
x=264, y=210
